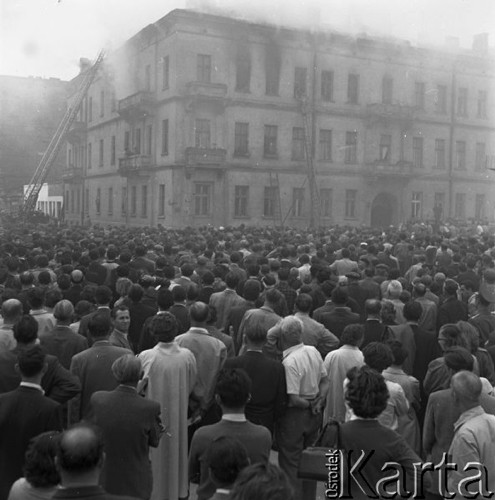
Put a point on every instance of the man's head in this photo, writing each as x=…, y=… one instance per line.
x=255, y=335
x=11, y=311
x=233, y=389
x=412, y=311
x=26, y=330
x=226, y=457
x=352, y=335
x=373, y=307
x=99, y=326
x=31, y=363
x=303, y=303
x=291, y=331
x=199, y=313
x=450, y=288
x=458, y=359
x=121, y=318
x=466, y=390
x=273, y=297
x=36, y=297
x=80, y=455
x=127, y=370
x=164, y=327
x=63, y=311
x=251, y=290
x=340, y=296
x=378, y=356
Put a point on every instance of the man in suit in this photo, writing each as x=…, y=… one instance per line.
x=79, y=460
x=62, y=341
x=232, y=393
x=93, y=366
x=374, y=329
x=142, y=264
x=452, y=309
x=268, y=390
x=24, y=413
x=121, y=321
x=122, y=412
x=140, y=312
x=103, y=297
x=11, y=312
x=57, y=382
x=224, y=301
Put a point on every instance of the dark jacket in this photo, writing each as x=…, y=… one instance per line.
x=88, y=493
x=130, y=425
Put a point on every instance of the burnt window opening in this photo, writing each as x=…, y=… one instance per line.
x=300, y=75
x=243, y=70
x=273, y=62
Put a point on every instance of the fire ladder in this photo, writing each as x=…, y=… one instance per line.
x=39, y=176
x=308, y=151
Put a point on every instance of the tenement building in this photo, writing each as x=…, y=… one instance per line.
x=202, y=119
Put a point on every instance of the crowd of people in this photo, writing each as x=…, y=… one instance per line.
x=135, y=362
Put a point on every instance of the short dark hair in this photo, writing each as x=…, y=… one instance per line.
x=304, y=302
x=262, y=481
x=255, y=333
x=99, y=325
x=135, y=292
x=36, y=297
x=273, y=296
x=378, y=356
x=164, y=327
x=366, y=392
x=179, y=293
x=352, y=335
x=208, y=278
x=231, y=280
x=26, y=329
x=399, y=353
x=226, y=457
x=103, y=295
x=52, y=297
x=458, y=358
x=373, y=306
x=31, y=360
x=233, y=387
x=164, y=298
x=339, y=296
x=80, y=448
x=412, y=310
x=39, y=462
x=251, y=290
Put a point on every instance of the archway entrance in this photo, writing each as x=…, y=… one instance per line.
x=383, y=210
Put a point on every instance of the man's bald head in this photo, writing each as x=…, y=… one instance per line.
x=80, y=450
x=11, y=310
x=466, y=387
x=199, y=312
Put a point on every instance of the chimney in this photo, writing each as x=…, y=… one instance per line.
x=480, y=43
x=84, y=64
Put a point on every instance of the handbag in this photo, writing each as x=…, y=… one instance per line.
x=314, y=459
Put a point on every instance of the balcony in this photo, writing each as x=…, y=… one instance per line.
x=133, y=164
x=214, y=157
x=379, y=170
x=209, y=94
x=76, y=133
x=136, y=106
x=389, y=113
x=72, y=174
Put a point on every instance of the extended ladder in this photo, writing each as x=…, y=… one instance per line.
x=39, y=176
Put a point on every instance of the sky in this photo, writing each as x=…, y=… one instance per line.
x=47, y=37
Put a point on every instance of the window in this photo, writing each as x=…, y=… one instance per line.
x=439, y=153
x=164, y=137
x=90, y=155
x=71, y=201
x=161, y=200
x=325, y=145
x=202, y=133
x=204, y=68
x=482, y=100
x=78, y=202
x=385, y=148
x=102, y=103
x=101, y=153
x=350, y=147
x=243, y=70
x=297, y=202
x=147, y=78
x=137, y=141
x=462, y=97
x=241, y=139
x=460, y=155
x=270, y=141
x=149, y=139
x=350, y=203
x=327, y=86
x=112, y=151
x=387, y=90
x=124, y=201
x=165, y=72
x=98, y=200
x=419, y=95
x=479, y=207
x=127, y=142
x=418, y=152
x=438, y=205
x=297, y=143
x=202, y=199
x=353, y=88
x=144, y=201
x=441, y=99
x=416, y=205
x=460, y=206
x=110, y=201
x=241, y=197
x=133, y=201
x=480, y=159
x=90, y=109
x=86, y=203
x=300, y=75
x=326, y=202
x=273, y=61
x=270, y=201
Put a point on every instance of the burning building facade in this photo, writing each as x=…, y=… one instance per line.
x=203, y=119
